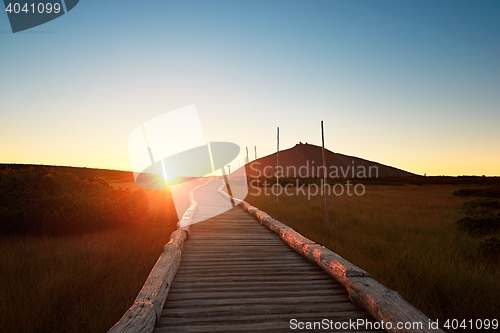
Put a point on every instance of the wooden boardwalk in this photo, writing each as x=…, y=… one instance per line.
x=238, y=276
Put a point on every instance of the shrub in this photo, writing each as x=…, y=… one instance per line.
x=481, y=205
x=466, y=192
x=490, y=247
x=491, y=192
x=44, y=201
x=480, y=224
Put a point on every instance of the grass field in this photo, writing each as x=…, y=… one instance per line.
x=406, y=238
x=81, y=283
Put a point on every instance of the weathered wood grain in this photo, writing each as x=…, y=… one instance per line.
x=259, y=308
x=139, y=318
x=158, y=283
x=244, y=317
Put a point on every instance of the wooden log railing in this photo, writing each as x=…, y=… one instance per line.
x=142, y=316
x=384, y=304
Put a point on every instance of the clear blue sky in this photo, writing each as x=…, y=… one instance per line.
x=411, y=84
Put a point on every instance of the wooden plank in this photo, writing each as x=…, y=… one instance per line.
x=245, y=318
x=233, y=237
x=231, y=278
x=284, y=286
x=241, y=291
x=241, y=259
x=249, y=264
x=247, y=292
x=252, y=262
x=266, y=326
x=249, y=272
x=262, y=300
x=210, y=247
x=304, y=278
x=228, y=243
x=253, y=309
x=256, y=252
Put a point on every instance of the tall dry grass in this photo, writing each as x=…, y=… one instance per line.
x=81, y=283
x=406, y=238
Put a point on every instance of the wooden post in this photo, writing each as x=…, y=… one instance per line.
x=324, y=174
x=227, y=184
x=246, y=167
x=277, y=160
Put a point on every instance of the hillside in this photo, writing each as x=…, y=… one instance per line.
x=305, y=160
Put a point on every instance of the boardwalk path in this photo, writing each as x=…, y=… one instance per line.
x=238, y=276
